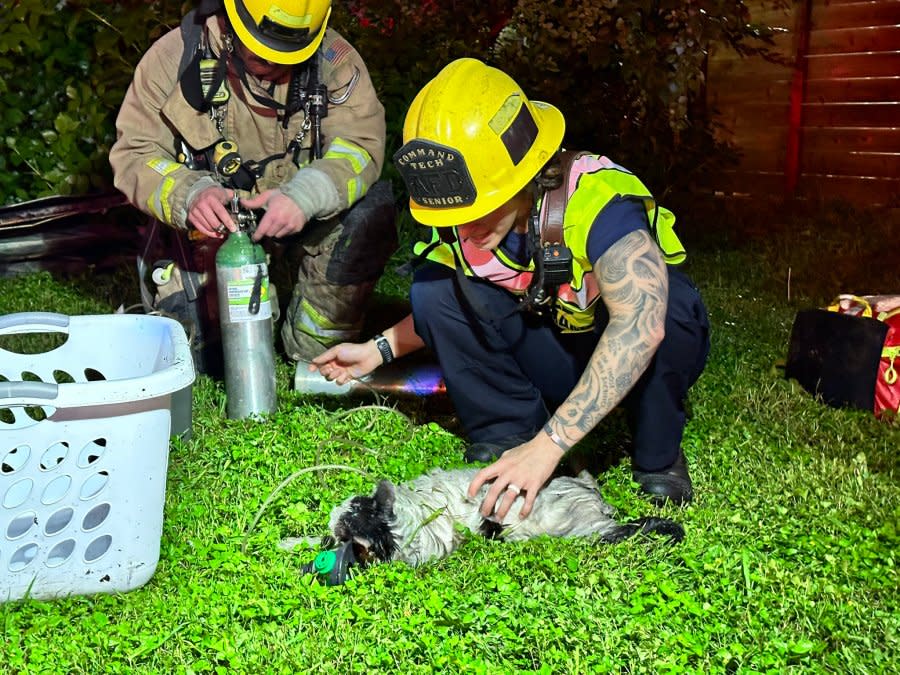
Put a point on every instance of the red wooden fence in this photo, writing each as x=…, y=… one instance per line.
x=827, y=125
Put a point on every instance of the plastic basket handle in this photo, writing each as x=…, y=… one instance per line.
x=33, y=322
x=21, y=393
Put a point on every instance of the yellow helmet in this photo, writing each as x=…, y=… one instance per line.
x=472, y=141
x=280, y=31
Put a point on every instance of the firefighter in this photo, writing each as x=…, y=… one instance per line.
x=536, y=353
x=261, y=98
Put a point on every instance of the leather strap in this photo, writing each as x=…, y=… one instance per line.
x=556, y=200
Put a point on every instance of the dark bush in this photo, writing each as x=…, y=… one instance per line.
x=628, y=74
x=64, y=69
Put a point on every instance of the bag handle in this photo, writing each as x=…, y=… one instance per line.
x=845, y=301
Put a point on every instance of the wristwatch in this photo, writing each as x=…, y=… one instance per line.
x=384, y=347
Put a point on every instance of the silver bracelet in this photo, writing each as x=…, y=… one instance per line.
x=565, y=447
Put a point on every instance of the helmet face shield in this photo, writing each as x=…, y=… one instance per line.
x=281, y=31
x=275, y=33
x=473, y=141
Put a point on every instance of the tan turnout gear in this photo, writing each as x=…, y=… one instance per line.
x=154, y=110
x=155, y=115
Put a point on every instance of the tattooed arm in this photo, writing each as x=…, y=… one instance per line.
x=634, y=286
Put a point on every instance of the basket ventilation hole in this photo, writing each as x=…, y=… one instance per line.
x=93, y=485
x=28, y=376
x=91, y=452
x=60, y=553
x=21, y=524
x=15, y=459
x=6, y=415
x=62, y=377
x=23, y=557
x=95, y=517
x=18, y=493
x=56, y=489
x=59, y=521
x=92, y=375
x=97, y=548
x=36, y=413
x=54, y=455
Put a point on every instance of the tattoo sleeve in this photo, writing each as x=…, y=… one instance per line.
x=634, y=285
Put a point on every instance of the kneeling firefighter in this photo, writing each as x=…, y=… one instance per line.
x=260, y=99
x=550, y=293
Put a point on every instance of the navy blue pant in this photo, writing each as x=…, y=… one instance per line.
x=503, y=375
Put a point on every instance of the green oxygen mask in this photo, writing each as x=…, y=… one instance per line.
x=333, y=567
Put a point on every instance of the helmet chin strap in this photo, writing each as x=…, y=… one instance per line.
x=305, y=93
x=241, y=69
x=304, y=76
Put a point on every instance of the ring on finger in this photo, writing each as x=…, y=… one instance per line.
x=513, y=488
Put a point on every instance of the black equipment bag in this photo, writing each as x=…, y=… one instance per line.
x=836, y=356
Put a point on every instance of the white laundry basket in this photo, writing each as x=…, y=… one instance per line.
x=84, y=445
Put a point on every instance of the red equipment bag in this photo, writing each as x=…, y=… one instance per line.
x=887, y=383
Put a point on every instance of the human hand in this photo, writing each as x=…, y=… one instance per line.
x=282, y=217
x=347, y=361
x=523, y=469
x=208, y=213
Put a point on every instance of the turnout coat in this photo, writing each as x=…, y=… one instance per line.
x=155, y=111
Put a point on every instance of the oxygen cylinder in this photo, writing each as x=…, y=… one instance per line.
x=245, y=314
x=406, y=378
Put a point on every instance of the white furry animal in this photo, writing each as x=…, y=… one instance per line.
x=417, y=521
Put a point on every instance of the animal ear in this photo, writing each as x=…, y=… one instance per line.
x=384, y=498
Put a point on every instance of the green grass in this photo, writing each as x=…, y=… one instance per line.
x=789, y=564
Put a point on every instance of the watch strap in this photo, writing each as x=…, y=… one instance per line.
x=384, y=347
